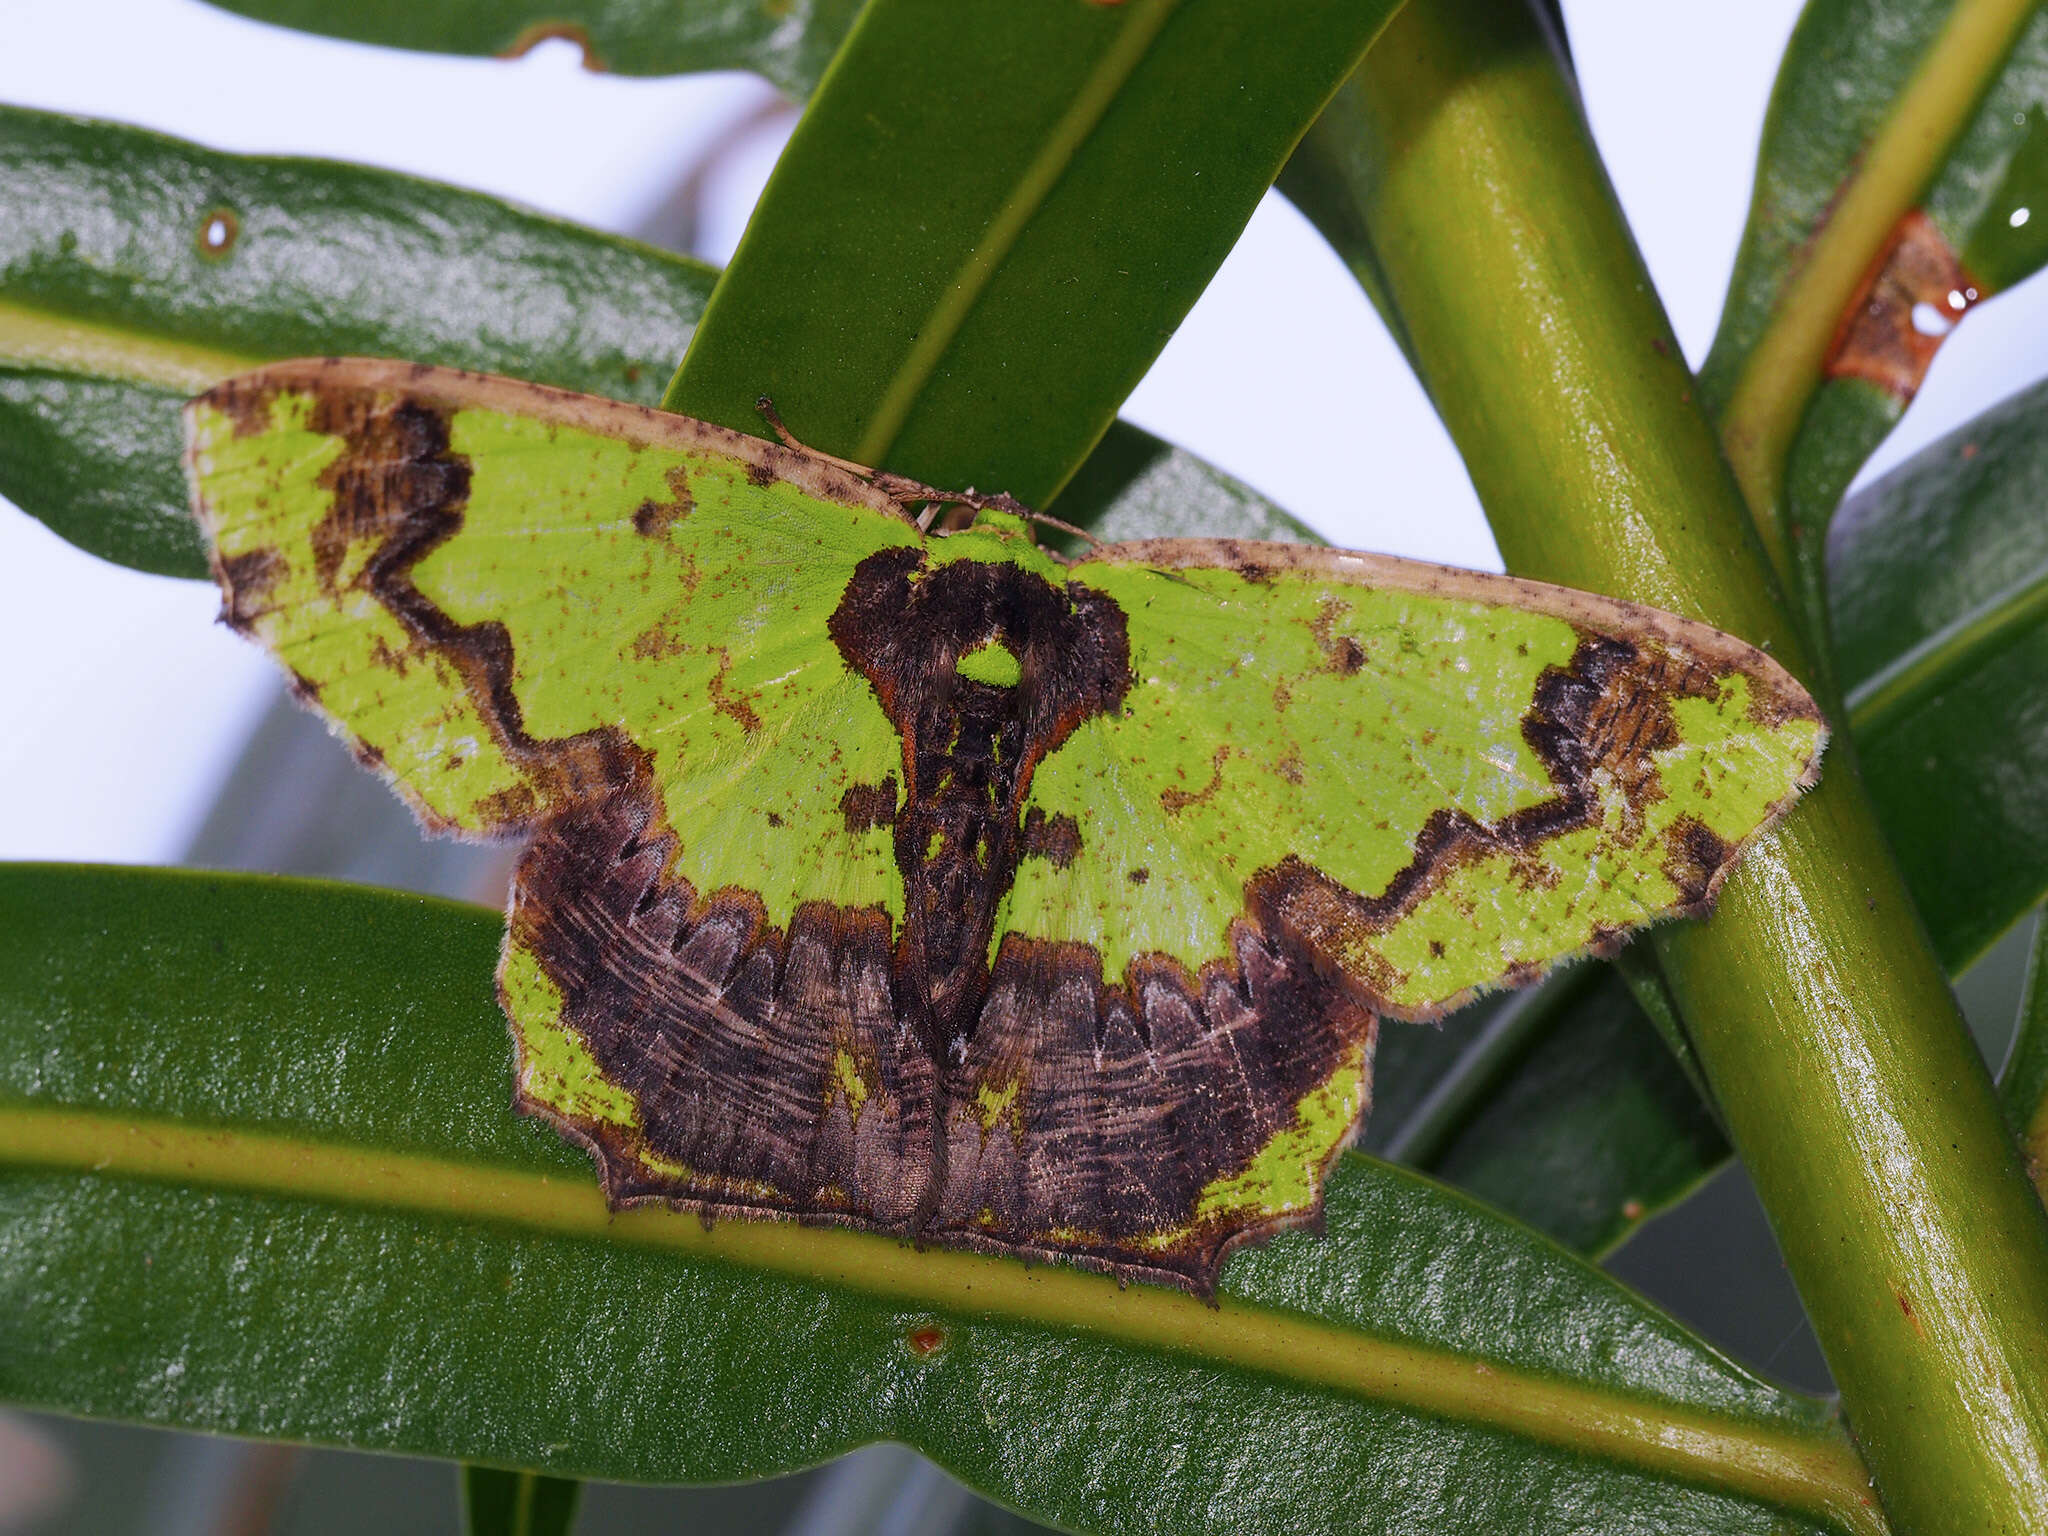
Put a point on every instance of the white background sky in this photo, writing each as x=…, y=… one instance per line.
x=125, y=704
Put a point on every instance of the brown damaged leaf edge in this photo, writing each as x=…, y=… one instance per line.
x=1880, y=339
x=729, y=1032
x=533, y=35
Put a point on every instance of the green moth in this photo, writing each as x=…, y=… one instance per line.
x=932, y=884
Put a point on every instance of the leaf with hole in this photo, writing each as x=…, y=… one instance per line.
x=1901, y=181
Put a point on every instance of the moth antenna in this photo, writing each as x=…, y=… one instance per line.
x=907, y=493
x=790, y=441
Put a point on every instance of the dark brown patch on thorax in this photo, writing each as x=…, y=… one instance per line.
x=970, y=747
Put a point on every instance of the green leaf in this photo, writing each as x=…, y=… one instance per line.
x=496, y=1503
x=789, y=44
x=90, y=394
x=1940, y=598
x=1560, y=1105
x=962, y=281
x=261, y=1177
x=112, y=309
x=1904, y=139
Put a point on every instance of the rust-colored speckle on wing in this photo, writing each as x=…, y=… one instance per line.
x=1915, y=292
x=652, y=519
x=1058, y=841
x=1174, y=801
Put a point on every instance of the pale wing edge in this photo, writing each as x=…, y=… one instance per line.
x=1255, y=559
x=641, y=425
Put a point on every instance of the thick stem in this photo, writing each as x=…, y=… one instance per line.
x=1821, y=1017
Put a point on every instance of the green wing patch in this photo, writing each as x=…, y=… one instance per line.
x=933, y=885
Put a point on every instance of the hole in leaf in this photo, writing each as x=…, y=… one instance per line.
x=1930, y=321
x=217, y=231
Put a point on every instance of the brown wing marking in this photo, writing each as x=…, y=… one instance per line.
x=1088, y=1119
x=771, y=1068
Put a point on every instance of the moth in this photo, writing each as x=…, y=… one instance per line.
x=934, y=884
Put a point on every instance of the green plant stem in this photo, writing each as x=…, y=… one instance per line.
x=1821, y=1018
x=501, y=1503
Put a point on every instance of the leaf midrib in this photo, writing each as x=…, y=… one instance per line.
x=1084, y=113
x=1817, y=1474
x=1920, y=672
x=39, y=338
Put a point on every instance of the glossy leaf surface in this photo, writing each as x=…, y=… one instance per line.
x=1940, y=597
x=789, y=44
x=261, y=1176
x=90, y=388
x=962, y=281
